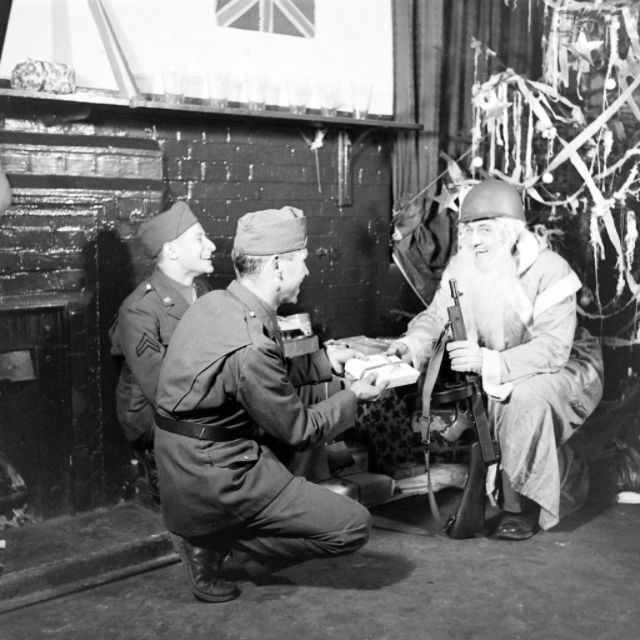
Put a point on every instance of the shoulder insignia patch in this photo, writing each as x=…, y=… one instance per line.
x=147, y=342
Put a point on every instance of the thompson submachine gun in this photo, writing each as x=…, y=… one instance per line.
x=488, y=447
x=468, y=518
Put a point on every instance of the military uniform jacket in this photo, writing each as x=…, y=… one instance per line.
x=140, y=334
x=225, y=366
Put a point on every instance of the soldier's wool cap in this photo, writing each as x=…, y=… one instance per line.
x=492, y=199
x=271, y=231
x=165, y=227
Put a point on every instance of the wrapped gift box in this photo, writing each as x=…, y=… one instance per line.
x=390, y=369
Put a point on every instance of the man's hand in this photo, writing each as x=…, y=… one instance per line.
x=368, y=389
x=400, y=349
x=338, y=354
x=465, y=356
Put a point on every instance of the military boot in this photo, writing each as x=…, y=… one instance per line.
x=203, y=568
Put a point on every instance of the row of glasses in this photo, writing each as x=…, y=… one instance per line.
x=257, y=91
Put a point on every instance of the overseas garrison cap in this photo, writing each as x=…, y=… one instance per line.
x=165, y=227
x=271, y=231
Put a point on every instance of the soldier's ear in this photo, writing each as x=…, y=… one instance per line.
x=275, y=262
x=169, y=250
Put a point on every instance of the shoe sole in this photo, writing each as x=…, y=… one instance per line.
x=514, y=536
x=207, y=597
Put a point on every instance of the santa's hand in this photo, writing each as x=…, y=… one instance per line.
x=465, y=356
x=400, y=349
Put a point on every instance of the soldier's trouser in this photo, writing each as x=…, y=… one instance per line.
x=304, y=521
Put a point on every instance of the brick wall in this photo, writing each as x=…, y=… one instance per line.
x=225, y=171
x=223, y=168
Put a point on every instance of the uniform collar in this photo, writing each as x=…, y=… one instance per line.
x=168, y=293
x=261, y=309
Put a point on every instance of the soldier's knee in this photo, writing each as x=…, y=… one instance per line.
x=356, y=534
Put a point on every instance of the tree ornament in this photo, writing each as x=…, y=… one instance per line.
x=446, y=199
x=582, y=49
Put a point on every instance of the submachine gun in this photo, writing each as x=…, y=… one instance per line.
x=445, y=387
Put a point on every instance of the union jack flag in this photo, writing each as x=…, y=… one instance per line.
x=288, y=17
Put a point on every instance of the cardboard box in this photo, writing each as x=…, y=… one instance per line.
x=341, y=486
x=443, y=475
x=366, y=345
x=407, y=470
x=300, y=346
x=372, y=488
x=359, y=461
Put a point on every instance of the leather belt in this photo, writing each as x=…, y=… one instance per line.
x=203, y=431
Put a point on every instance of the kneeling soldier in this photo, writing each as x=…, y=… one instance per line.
x=224, y=381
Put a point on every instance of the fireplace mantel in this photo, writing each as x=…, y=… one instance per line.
x=194, y=108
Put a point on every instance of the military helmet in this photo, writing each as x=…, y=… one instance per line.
x=492, y=199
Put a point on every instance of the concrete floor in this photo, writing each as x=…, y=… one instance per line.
x=579, y=581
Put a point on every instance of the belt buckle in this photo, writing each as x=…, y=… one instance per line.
x=201, y=435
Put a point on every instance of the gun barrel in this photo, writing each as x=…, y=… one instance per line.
x=455, y=313
x=453, y=286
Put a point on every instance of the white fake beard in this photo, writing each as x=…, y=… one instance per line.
x=489, y=295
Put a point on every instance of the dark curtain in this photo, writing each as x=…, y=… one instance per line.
x=434, y=75
x=420, y=240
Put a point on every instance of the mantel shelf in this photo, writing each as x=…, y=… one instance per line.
x=193, y=107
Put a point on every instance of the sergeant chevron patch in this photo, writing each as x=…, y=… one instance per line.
x=147, y=342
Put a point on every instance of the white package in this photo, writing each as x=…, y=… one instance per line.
x=390, y=369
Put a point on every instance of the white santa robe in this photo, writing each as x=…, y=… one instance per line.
x=542, y=382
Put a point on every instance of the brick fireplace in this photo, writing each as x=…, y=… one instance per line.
x=65, y=265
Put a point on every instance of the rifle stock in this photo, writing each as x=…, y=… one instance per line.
x=468, y=518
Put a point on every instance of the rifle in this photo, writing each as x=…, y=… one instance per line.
x=468, y=518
